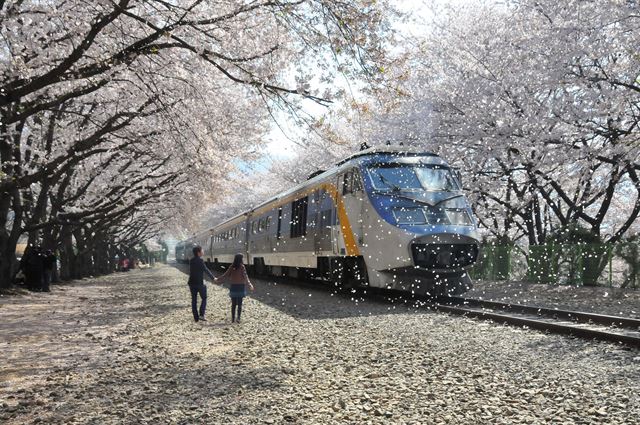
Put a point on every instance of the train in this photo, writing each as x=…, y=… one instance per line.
x=387, y=217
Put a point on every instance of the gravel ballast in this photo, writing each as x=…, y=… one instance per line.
x=124, y=349
x=594, y=299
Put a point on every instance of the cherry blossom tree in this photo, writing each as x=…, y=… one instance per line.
x=121, y=116
x=536, y=102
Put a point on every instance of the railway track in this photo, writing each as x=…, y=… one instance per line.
x=622, y=330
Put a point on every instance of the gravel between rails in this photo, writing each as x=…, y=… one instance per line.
x=124, y=349
x=601, y=300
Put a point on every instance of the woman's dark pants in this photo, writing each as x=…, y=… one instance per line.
x=236, y=302
x=195, y=290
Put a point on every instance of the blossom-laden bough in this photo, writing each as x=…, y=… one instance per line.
x=120, y=118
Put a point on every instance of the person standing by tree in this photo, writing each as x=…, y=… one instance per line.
x=237, y=275
x=49, y=263
x=197, y=269
x=25, y=266
x=33, y=267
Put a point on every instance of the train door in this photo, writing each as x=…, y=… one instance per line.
x=339, y=247
x=352, y=192
x=323, y=208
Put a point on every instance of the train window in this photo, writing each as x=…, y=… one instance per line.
x=260, y=225
x=357, y=181
x=268, y=225
x=351, y=182
x=347, y=183
x=299, y=217
x=279, y=228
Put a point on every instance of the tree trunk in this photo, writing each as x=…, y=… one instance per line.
x=67, y=255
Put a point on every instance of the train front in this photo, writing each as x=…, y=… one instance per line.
x=421, y=235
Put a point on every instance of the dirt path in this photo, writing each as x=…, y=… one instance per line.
x=123, y=349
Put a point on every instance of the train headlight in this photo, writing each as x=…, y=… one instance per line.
x=437, y=216
x=432, y=215
x=415, y=216
x=459, y=217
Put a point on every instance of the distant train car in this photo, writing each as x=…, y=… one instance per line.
x=386, y=218
x=184, y=250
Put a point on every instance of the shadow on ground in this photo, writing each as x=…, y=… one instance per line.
x=313, y=301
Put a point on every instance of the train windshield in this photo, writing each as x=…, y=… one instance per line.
x=412, y=177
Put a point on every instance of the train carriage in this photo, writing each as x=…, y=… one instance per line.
x=389, y=218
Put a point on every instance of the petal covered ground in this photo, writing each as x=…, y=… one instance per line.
x=124, y=349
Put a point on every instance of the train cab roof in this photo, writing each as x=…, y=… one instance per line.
x=400, y=151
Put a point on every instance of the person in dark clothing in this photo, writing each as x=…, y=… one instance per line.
x=197, y=269
x=33, y=268
x=24, y=261
x=237, y=275
x=49, y=262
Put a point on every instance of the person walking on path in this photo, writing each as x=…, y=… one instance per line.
x=236, y=274
x=197, y=269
